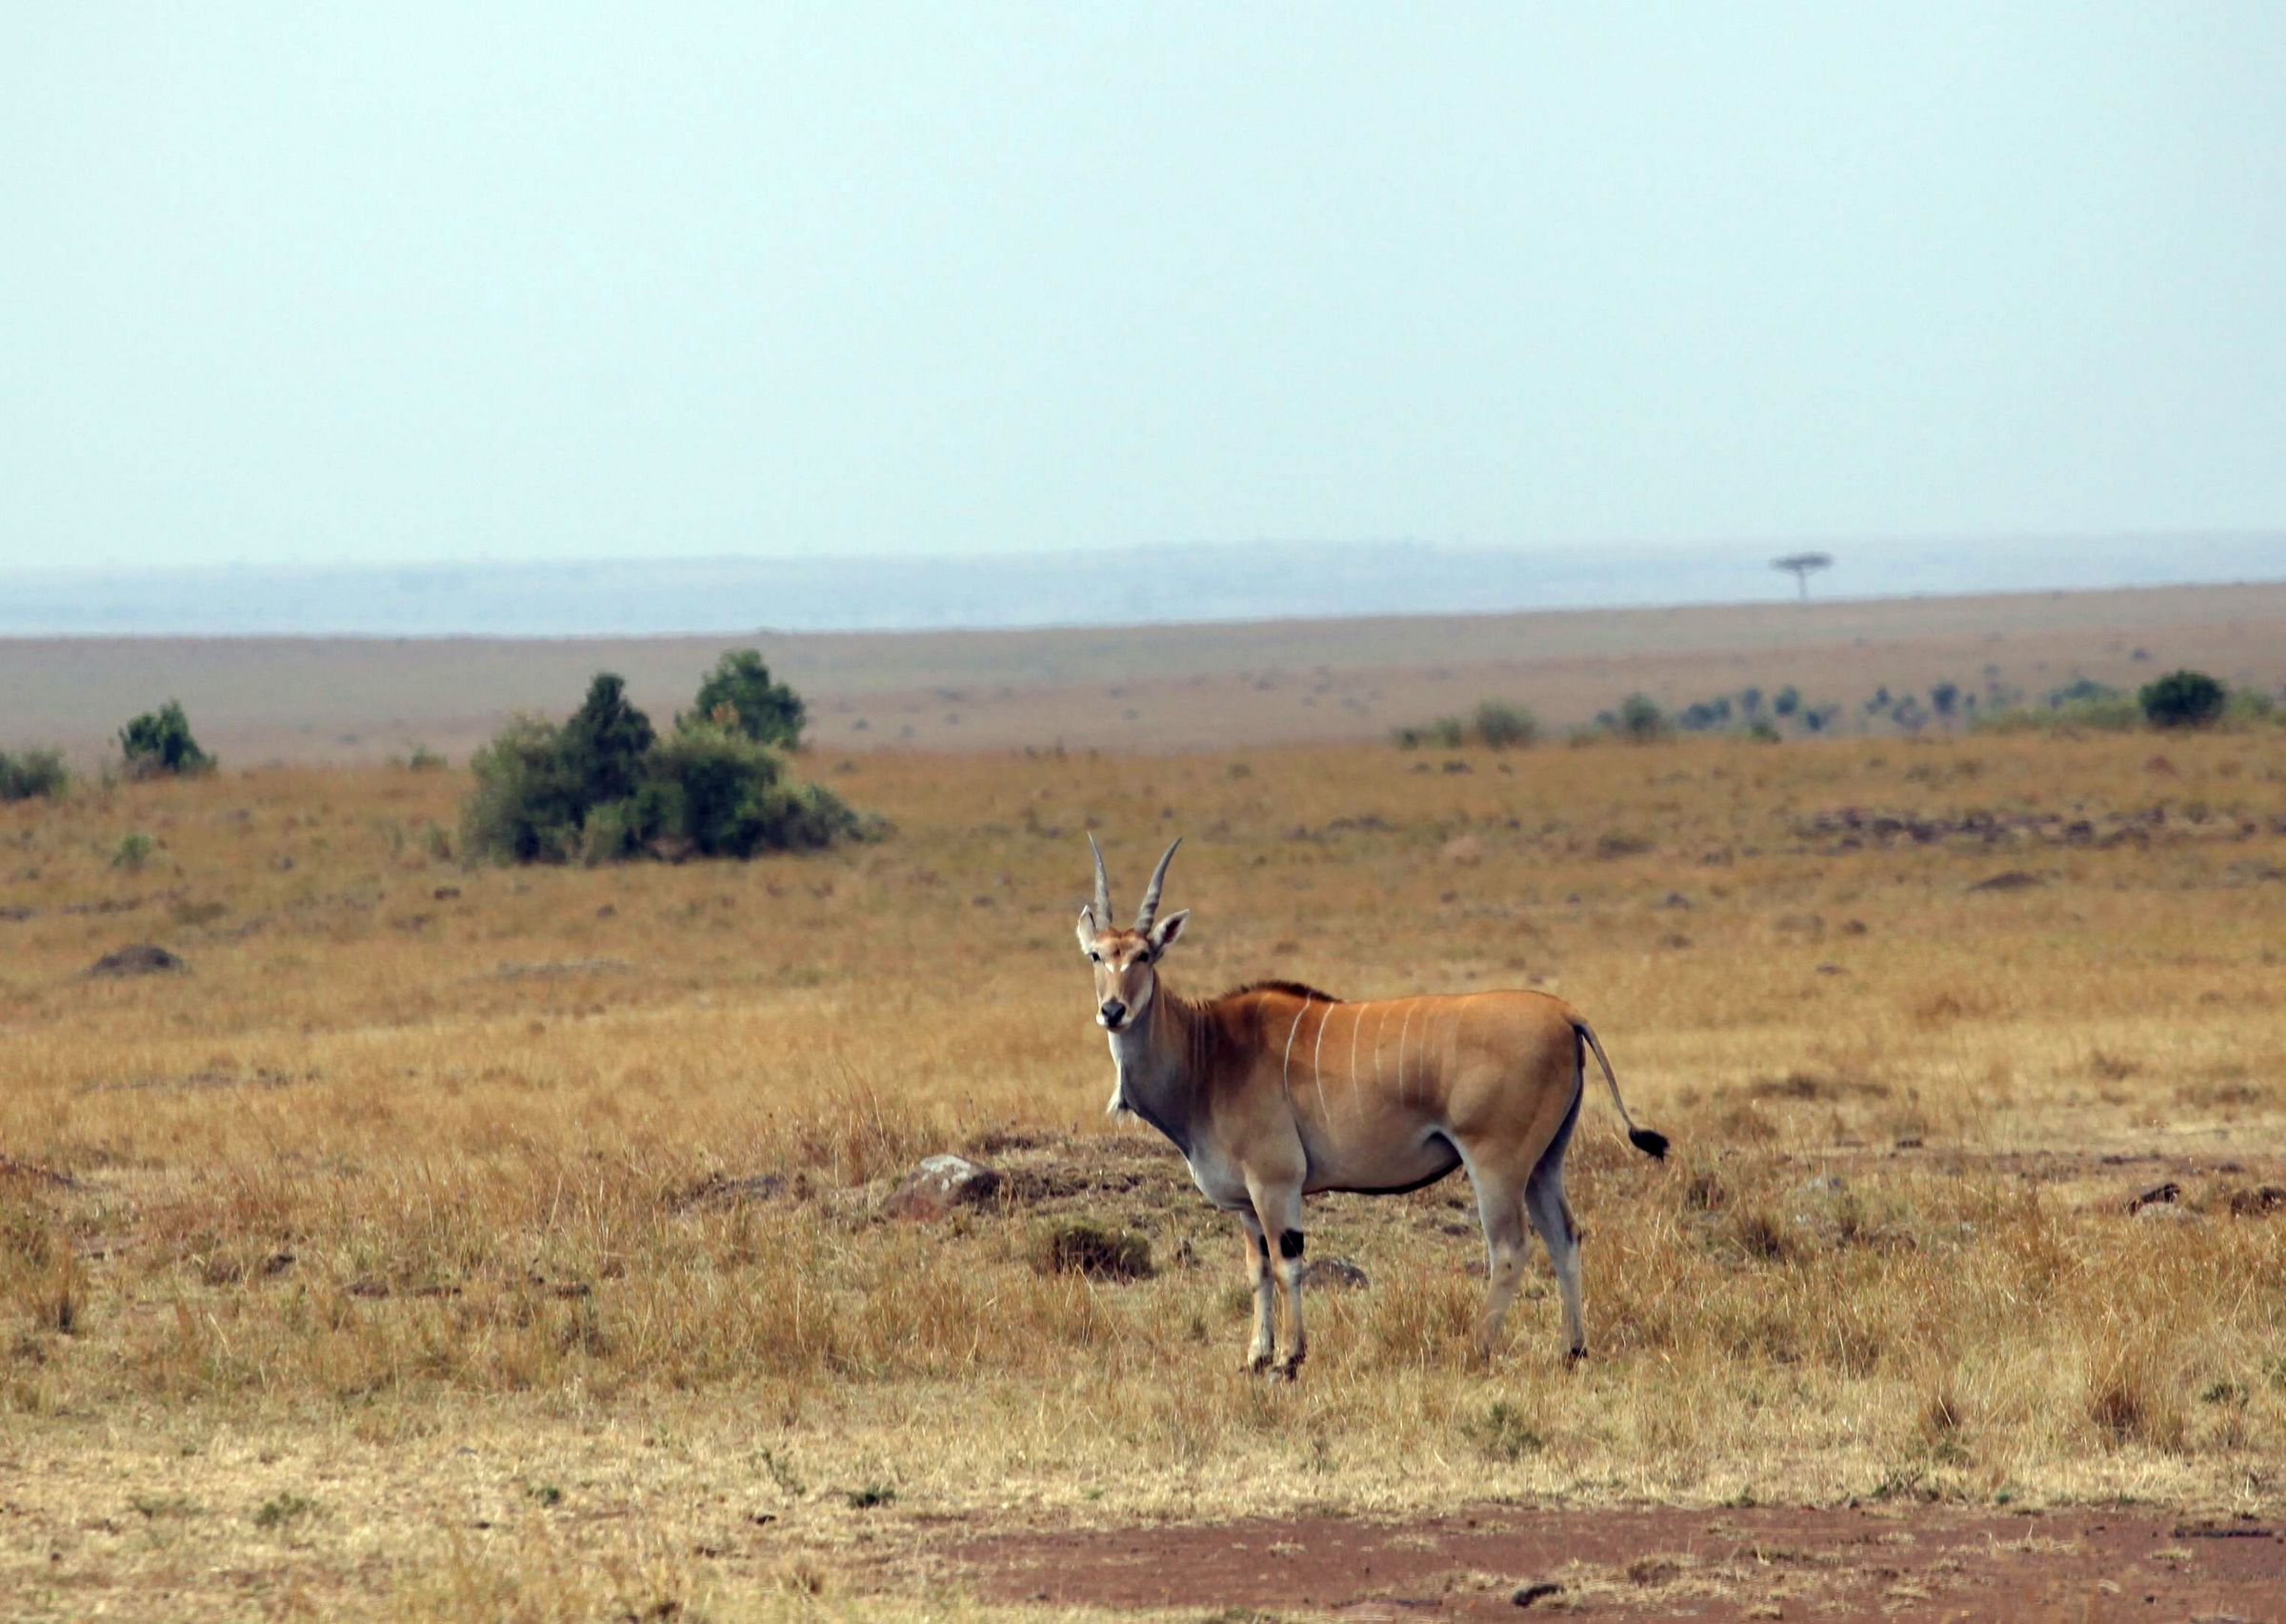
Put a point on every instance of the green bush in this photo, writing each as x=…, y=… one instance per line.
x=739, y=693
x=1639, y=720
x=2250, y=706
x=1446, y=733
x=604, y=787
x=32, y=773
x=160, y=742
x=1504, y=726
x=2183, y=699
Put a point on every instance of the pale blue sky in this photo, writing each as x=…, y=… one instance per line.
x=314, y=284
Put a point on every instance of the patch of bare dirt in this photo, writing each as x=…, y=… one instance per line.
x=1858, y=1563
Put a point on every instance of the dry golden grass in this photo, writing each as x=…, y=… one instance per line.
x=421, y=1254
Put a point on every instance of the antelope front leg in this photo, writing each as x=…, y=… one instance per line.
x=1280, y=1214
x=1266, y=1323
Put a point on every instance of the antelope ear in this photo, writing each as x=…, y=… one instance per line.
x=1165, y=933
x=1087, y=929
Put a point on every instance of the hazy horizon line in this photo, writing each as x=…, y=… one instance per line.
x=1709, y=549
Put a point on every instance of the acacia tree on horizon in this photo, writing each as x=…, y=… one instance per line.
x=1799, y=565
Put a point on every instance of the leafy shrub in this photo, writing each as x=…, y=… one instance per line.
x=159, y=742
x=32, y=773
x=1788, y=701
x=739, y=693
x=1504, y=726
x=1446, y=733
x=1639, y=720
x=134, y=851
x=2183, y=699
x=603, y=787
x=2251, y=705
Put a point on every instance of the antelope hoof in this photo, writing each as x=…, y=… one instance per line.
x=1575, y=1356
x=1258, y=1361
x=1287, y=1369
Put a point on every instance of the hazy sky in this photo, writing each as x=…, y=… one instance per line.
x=323, y=284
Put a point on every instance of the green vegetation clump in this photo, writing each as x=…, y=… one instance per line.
x=1503, y=726
x=737, y=693
x=1496, y=723
x=1639, y=720
x=604, y=786
x=2183, y=699
x=159, y=742
x=33, y=773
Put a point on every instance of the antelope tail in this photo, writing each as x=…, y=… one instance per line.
x=1652, y=1144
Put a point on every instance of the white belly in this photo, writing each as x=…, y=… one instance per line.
x=1218, y=1181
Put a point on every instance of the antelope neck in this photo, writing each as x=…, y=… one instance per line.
x=1154, y=1073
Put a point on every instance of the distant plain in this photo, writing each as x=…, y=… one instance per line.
x=1147, y=687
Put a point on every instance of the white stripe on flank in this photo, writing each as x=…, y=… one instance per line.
x=1353, y=1031
x=1401, y=1031
x=1317, y=1072
x=1286, y=1066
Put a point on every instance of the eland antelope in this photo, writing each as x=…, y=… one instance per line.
x=1275, y=1090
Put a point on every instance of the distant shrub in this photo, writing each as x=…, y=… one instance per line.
x=1704, y=715
x=1639, y=719
x=1761, y=731
x=1496, y=723
x=422, y=759
x=1504, y=726
x=603, y=787
x=1446, y=733
x=1787, y=701
x=134, y=851
x=160, y=742
x=32, y=773
x=2183, y=699
x=739, y=693
x=2250, y=705
x=1944, y=699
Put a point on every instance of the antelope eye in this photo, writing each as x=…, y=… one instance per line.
x=1094, y=957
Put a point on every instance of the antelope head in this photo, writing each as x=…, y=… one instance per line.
x=1124, y=960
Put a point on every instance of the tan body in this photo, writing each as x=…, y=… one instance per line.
x=1277, y=1090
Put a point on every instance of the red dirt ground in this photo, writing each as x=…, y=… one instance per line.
x=1877, y=1562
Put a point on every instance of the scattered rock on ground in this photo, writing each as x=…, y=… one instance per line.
x=2256, y=1203
x=717, y=1190
x=2159, y=1193
x=1097, y=1253
x=940, y=1185
x=1337, y=1273
x=2008, y=880
x=141, y=959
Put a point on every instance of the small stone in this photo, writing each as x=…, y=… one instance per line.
x=141, y=959
x=1337, y=1273
x=940, y=1185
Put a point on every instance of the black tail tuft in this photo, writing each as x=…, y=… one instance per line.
x=1651, y=1144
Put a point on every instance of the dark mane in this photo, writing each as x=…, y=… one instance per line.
x=1299, y=990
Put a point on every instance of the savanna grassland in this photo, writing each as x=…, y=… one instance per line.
x=454, y=1241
